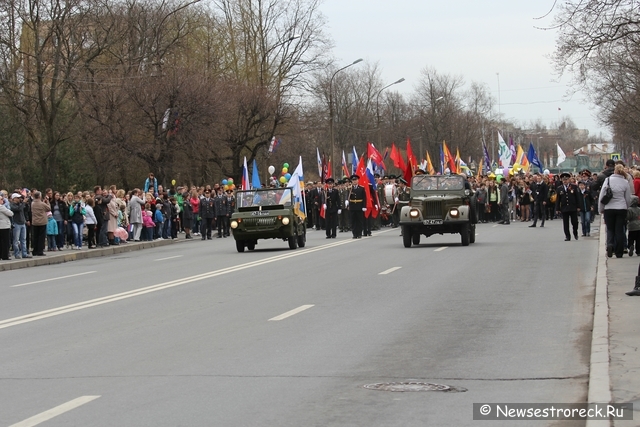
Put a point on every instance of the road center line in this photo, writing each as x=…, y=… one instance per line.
x=166, y=285
x=391, y=270
x=58, y=410
x=441, y=249
x=291, y=313
x=171, y=257
x=55, y=278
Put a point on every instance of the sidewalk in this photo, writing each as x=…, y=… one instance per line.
x=67, y=255
x=624, y=334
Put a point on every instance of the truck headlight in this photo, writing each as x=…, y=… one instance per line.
x=454, y=213
x=234, y=224
x=414, y=213
x=285, y=221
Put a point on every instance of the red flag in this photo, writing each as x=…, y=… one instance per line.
x=374, y=154
x=396, y=157
x=411, y=158
x=448, y=158
x=329, y=172
x=364, y=181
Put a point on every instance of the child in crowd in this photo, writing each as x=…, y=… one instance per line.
x=52, y=232
x=147, y=223
x=91, y=222
x=158, y=220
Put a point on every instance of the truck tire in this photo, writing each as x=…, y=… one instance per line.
x=415, y=238
x=240, y=245
x=302, y=240
x=406, y=236
x=293, y=242
x=465, y=235
x=251, y=245
x=472, y=234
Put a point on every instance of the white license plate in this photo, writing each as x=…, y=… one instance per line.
x=432, y=222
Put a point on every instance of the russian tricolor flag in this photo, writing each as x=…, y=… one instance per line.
x=246, y=185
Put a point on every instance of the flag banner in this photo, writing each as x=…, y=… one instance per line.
x=480, y=167
x=487, y=159
x=374, y=154
x=504, y=152
x=512, y=148
x=372, y=180
x=319, y=163
x=441, y=160
x=430, y=169
x=329, y=173
x=458, y=162
x=533, y=157
x=325, y=169
x=364, y=181
x=411, y=158
x=296, y=183
x=245, y=184
x=354, y=161
x=273, y=145
x=449, y=160
x=396, y=158
x=255, y=176
x=561, y=156
x=345, y=169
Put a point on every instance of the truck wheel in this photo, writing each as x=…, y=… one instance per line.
x=240, y=245
x=302, y=240
x=416, y=239
x=293, y=242
x=472, y=234
x=464, y=234
x=406, y=236
x=251, y=245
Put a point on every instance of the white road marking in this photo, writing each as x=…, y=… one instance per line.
x=55, y=278
x=441, y=249
x=58, y=410
x=7, y=323
x=391, y=270
x=171, y=257
x=291, y=313
x=495, y=226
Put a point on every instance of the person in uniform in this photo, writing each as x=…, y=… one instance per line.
x=568, y=202
x=356, y=204
x=332, y=208
x=368, y=220
x=344, y=189
x=403, y=196
x=540, y=193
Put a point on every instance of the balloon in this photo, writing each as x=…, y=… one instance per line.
x=284, y=170
x=272, y=169
x=232, y=186
x=173, y=182
x=283, y=179
x=499, y=178
x=286, y=165
x=225, y=182
x=492, y=175
x=230, y=180
x=288, y=176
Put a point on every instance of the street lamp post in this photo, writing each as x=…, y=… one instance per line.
x=333, y=159
x=378, y=108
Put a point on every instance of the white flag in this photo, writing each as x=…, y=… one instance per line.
x=561, y=156
x=504, y=152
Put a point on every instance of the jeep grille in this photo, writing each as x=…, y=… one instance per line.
x=433, y=209
x=259, y=222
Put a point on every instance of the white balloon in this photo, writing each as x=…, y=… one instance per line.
x=272, y=169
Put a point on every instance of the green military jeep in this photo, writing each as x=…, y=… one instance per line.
x=267, y=214
x=439, y=204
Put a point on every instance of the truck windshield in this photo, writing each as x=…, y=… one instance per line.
x=444, y=182
x=266, y=197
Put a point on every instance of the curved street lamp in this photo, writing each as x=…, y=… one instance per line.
x=333, y=159
x=378, y=109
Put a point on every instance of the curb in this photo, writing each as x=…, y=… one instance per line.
x=72, y=255
x=599, y=379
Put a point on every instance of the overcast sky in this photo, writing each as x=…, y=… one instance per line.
x=471, y=38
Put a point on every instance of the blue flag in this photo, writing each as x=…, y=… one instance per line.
x=533, y=157
x=487, y=159
x=255, y=177
x=441, y=160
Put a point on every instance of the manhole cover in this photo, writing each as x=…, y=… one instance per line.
x=414, y=386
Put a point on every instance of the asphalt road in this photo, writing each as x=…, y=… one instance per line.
x=188, y=334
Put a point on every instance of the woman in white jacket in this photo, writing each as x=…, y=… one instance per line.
x=5, y=229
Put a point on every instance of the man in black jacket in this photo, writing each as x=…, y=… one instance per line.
x=540, y=193
x=357, y=205
x=332, y=208
x=569, y=203
x=207, y=213
x=602, y=176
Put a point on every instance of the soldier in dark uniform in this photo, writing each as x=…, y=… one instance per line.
x=403, y=196
x=539, y=191
x=344, y=196
x=568, y=203
x=356, y=204
x=207, y=213
x=332, y=208
x=368, y=221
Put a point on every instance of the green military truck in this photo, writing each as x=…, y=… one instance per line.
x=439, y=204
x=267, y=214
